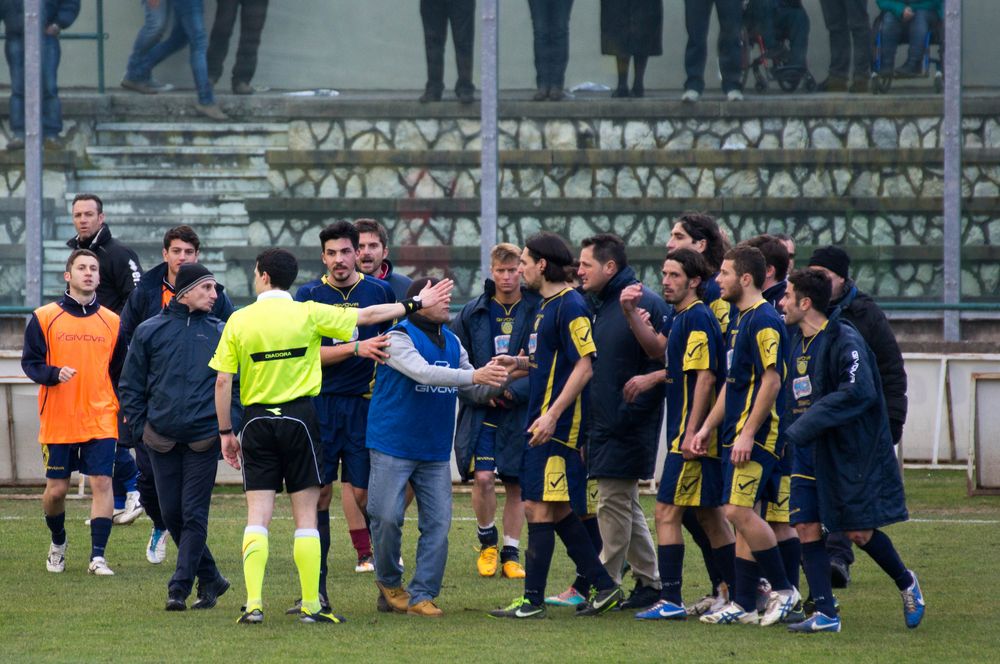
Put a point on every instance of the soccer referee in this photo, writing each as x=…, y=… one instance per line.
x=274, y=344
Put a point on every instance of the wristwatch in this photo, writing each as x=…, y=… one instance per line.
x=418, y=301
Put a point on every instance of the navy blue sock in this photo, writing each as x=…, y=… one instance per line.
x=882, y=551
x=791, y=556
x=581, y=551
x=323, y=526
x=816, y=564
x=772, y=568
x=670, y=558
x=100, y=531
x=57, y=526
x=725, y=563
x=537, y=558
x=693, y=526
x=594, y=532
x=509, y=553
x=744, y=592
x=488, y=536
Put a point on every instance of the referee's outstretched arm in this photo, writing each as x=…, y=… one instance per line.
x=428, y=297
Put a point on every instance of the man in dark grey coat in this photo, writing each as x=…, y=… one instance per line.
x=625, y=422
x=845, y=475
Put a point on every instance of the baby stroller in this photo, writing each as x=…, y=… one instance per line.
x=766, y=66
x=882, y=80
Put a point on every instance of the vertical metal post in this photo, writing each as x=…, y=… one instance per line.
x=489, y=184
x=33, y=153
x=100, y=46
x=952, y=129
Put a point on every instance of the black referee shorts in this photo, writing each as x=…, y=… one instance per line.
x=281, y=446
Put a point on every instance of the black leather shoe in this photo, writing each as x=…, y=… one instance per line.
x=840, y=574
x=833, y=84
x=465, y=97
x=176, y=603
x=209, y=594
x=541, y=94
x=429, y=96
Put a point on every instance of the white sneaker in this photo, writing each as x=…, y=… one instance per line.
x=99, y=567
x=156, y=550
x=132, y=511
x=779, y=605
x=56, y=562
x=731, y=614
x=366, y=564
x=763, y=594
x=690, y=96
x=734, y=95
x=710, y=603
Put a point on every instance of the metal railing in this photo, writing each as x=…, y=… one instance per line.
x=99, y=36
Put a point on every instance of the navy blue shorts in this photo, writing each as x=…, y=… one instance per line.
x=343, y=423
x=95, y=457
x=484, y=455
x=746, y=485
x=690, y=483
x=554, y=473
x=805, y=500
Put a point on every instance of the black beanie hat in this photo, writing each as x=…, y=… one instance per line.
x=832, y=258
x=190, y=275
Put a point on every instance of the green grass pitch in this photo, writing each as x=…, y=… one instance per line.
x=952, y=542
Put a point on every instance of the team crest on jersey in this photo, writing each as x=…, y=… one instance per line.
x=802, y=365
x=507, y=327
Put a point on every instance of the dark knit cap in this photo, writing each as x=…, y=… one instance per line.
x=832, y=258
x=190, y=275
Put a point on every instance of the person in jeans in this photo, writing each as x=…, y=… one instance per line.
x=189, y=29
x=153, y=27
x=415, y=395
x=848, y=23
x=550, y=27
x=697, y=14
x=435, y=16
x=168, y=397
x=57, y=15
x=253, y=13
x=914, y=18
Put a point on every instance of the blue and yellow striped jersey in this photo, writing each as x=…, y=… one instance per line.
x=562, y=334
x=757, y=342
x=354, y=376
x=695, y=344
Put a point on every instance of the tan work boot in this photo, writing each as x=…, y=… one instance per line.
x=396, y=598
x=426, y=608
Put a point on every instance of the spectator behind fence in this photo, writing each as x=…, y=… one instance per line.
x=847, y=21
x=550, y=27
x=435, y=16
x=253, y=13
x=189, y=29
x=154, y=25
x=913, y=19
x=631, y=29
x=57, y=15
x=697, y=14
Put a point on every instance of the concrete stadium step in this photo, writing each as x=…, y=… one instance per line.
x=178, y=181
x=270, y=134
x=177, y=156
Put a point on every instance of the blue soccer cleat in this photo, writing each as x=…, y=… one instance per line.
x=913, y=603
x=817, y=622
x=663, y=610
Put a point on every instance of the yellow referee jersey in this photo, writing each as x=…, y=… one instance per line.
x=274, y=345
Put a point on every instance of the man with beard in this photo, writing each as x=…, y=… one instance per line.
x=373, y=256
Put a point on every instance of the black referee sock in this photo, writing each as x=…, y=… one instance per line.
x=57, y=526
x=580, y=549
x=323, y=526
x=537, y=559
x=693, y=526
x=791, y=556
